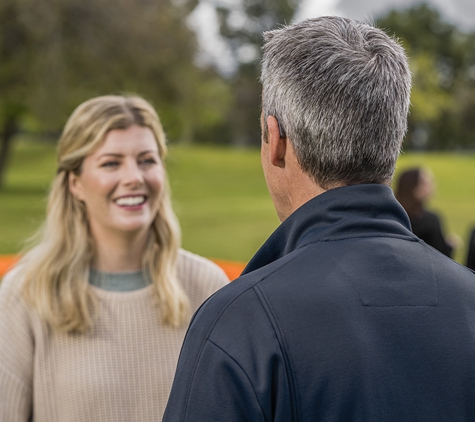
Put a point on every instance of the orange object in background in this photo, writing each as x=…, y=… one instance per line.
x=7, y=262
x=231, y=268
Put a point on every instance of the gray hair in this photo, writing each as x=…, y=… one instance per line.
x=340, y=89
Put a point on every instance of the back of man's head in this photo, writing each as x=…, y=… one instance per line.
x=340, y=90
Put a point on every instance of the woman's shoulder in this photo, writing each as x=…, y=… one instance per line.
x=11, y=285
x=192, y=264
x=198, y=274
x=12, y=300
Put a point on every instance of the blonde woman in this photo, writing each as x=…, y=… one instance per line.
x=93, y=317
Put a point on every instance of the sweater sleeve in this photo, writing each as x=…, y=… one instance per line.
x=16, y=353
x=200, y=277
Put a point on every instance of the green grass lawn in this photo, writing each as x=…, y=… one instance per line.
x=219, y=195
x=221, y=199
x=23, y=198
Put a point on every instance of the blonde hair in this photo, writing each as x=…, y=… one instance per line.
x=56, y=270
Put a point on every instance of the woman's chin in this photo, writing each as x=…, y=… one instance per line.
x=131, y=228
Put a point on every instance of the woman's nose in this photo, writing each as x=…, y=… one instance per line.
x=132, y=174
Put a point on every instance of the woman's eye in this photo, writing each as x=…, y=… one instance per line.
x=110, y=164
x=148, y=161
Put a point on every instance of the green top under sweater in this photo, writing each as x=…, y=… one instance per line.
x=119, y=282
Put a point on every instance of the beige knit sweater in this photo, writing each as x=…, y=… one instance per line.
x=120, y=371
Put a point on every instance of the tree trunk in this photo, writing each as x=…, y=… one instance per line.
x=9, y=129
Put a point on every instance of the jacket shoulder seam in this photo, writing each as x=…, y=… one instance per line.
x=242, y=369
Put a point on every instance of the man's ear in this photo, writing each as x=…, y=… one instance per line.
x=75, y=185
x=277, y=144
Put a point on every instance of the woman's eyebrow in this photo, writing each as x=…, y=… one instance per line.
x=118, y=155
x=110, y=154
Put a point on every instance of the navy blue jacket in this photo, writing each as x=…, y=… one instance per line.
x=342, y=315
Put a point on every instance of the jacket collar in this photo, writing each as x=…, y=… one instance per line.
x=346, y=212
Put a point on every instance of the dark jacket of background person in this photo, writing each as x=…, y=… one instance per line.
x=471, y=251
x=428, y=228
x=349, y=315
x=413, y=189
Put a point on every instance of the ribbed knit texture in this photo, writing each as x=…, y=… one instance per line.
x=122, y=370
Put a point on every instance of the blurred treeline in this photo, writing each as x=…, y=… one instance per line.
x=54, y=54
x=442, y=59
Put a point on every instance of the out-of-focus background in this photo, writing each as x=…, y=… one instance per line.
x=198, y=61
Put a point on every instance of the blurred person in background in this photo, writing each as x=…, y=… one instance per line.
x=93, y=317
x=414, y=188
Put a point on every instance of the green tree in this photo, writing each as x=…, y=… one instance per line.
x=242, y=27
x=15, y=50
x=442, y=59
x=55, y=54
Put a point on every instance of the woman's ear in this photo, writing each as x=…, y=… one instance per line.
x=75, y=185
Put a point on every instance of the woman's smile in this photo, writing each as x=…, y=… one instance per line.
x=131, y=202
x=120, y=183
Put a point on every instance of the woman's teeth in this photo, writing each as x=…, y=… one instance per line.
x=130, y=201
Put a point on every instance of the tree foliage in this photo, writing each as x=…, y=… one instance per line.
x=55, y=54
x=242, y=27
x=442, y=59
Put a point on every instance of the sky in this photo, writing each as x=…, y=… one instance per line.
x=458, y=12
x=215, y=50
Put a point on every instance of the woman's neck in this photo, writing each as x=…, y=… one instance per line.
x=119, y=253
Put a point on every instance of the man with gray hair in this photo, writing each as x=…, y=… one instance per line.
x=343, y=314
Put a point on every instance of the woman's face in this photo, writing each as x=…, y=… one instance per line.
x=120, y=183
x=426, y=186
